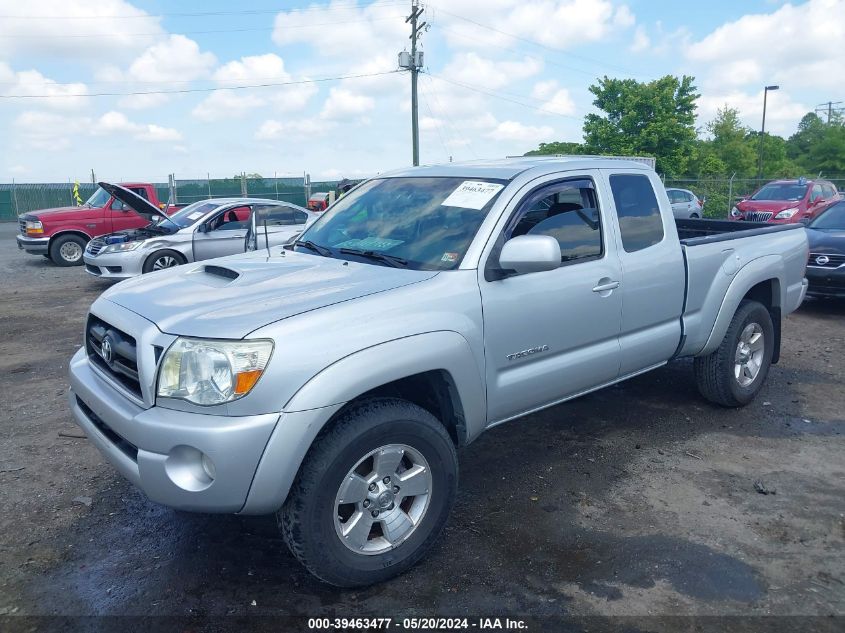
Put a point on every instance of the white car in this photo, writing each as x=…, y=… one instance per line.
x=203, y=230
x=685, y=204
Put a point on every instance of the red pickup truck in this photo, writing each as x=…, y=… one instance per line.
x=61, y=234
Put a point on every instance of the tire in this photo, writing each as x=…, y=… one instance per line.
x=160, y=260
x=314, y=516
x=67, y=250
x=728, y=377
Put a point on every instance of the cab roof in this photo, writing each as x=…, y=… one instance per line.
x=509, y=168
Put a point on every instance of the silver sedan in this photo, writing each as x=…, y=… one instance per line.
x=203, y=230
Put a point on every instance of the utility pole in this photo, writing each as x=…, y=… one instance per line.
x=832, y=108
x=413, y=62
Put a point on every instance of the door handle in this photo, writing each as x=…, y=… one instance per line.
x=606, y=286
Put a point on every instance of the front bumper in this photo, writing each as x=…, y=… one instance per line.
x=33, y=245
x=115, y=265
x=160, y=450
x=826, y=282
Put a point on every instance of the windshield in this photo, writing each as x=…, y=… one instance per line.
x=422, y=223
x=192, y=213
x=98, y=199
x=781, y=191
x=832, y=219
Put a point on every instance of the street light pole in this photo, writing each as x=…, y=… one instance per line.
x=763, y=132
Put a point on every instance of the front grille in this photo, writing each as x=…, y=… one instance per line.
x=827, y=260
x=118, y=358
x=758, y=216
x=126, y=447
x=95, y=246
x=22, y=227
x=94, y=270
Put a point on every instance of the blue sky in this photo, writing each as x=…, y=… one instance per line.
x=501, y=76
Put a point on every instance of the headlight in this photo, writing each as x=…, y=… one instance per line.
x=122, y=247
x=786, y=214
x=735, y=213
x=207, y=372
x=34, y=227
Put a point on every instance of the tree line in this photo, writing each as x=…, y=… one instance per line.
x=657, y=118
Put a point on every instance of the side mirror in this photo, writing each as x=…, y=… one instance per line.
x=202, y=228
x=805, y=221
x=530, y=254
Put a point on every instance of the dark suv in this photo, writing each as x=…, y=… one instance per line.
x=786, y=201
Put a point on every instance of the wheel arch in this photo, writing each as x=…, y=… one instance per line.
x=436, y=371
x=758, y=280
x=64, y=232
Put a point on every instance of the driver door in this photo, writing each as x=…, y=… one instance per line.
x=224, y=234
x=550, y=335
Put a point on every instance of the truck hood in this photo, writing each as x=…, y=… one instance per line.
x=767, y=205
x=139, y=205
x=230, y=297
x=60, y=213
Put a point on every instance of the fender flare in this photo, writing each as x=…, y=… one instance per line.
x=66, y=231
x=316, y=402
x=754, y=272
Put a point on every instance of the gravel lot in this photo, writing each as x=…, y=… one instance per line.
x=636, y=500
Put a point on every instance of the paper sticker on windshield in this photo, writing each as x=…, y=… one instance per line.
x=472, y=194
x=450, y=258
x=196, y=215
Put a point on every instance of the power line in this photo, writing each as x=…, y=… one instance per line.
x=502, y=97
x=353, y=6
x=206, y=32
x=533, y=43
x=187, y=90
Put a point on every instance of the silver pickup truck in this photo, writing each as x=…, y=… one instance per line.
x=332, y=381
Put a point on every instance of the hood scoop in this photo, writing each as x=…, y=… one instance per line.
x=221, y=271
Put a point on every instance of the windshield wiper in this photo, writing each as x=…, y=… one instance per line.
x=392, y=260
x=320, y=250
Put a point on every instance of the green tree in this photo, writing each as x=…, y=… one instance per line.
x=656, y=118
x=556, y=147
x=728, y=143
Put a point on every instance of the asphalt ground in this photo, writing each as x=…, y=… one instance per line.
x=638, y=500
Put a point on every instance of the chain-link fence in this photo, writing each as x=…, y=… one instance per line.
x=720, y=194
x=17, y=198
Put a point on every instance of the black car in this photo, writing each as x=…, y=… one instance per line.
x=826, y=264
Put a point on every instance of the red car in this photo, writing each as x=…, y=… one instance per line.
x=785, y=201
x=61, y=234
x=318, y=201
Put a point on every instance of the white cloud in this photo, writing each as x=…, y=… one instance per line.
x=170, y=64
x=516, y=131
x=57, y=132
x=472, y=68
x=782, y=113
x=343, y=104
x=555, y=100
x=296, y=130
x=558, y=24
x=32, y=82
x=641, y=41
x=343, y=29
x=795, y=45
x=257, y=69
x=75, y=29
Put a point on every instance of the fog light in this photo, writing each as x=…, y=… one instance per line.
x=208, y=467
x=189, y=468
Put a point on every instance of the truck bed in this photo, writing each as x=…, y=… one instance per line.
x=692, y=232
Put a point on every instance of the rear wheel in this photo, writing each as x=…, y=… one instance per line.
x=67, y=250
x=372, y=495
x=733, y=374
x=161, y=260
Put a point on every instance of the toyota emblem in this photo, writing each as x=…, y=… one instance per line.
x=821, y=260
x=106, y=350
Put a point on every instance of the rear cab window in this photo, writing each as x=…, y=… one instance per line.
x=640, y=221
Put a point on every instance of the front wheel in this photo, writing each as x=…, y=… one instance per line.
x=372, y=495
x=161, y=260
x=733, y=374
x=67, y=250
